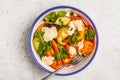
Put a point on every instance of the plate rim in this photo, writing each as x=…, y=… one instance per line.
x=30, y=33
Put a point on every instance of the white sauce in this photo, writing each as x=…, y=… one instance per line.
x=71, y=29
x=80, y=45
x=75, y=25
x=72, y=51
x=47, y=60
x=50, y=33
x=68, y=14
x=79, y=24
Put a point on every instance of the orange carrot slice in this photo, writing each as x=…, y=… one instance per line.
x=67, y=47
x=40, y=26
x=75, y=18
x=56, y=64
x=55, y=46
x=50, y=52
x=88, y=47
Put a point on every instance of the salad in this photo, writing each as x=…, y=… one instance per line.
x=61, y=37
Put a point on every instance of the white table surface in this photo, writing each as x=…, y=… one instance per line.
x=16, y=17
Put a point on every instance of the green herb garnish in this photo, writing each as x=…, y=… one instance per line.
x=63, y=53
x=71, y=13
x=39, y=34
x=53, y=16
x=89, y=35
x=61, y=13
x=57, y=56
x=60, y=20
x=71, y=29
x=50, y=18
x=42, y=46
x=73, y=39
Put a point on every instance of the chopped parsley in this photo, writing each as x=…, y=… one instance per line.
x=63, y=53
x=61, y=13
x=73, y=39
x=89, y=35
x=71, y=29
x=43, y=46
x=71, y=13
x=53, y=16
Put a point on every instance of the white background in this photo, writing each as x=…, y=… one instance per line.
x=16, y=17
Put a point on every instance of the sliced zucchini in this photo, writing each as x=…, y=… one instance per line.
x=36, y=42
x=62, y=21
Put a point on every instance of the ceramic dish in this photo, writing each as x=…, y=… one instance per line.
x=67, y=70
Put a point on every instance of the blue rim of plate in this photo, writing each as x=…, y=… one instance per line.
x=30, y=33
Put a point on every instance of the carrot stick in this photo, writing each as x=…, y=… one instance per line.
x=66, y=40
x=48, y=53
x=40, y=26
x=75, y=18
x=67, y=47
x=56, y=64
x=55, y=46
x=52, y=51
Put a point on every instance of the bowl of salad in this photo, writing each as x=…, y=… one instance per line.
x=58, y=35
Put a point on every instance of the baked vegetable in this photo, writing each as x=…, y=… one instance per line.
x=59, y=38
